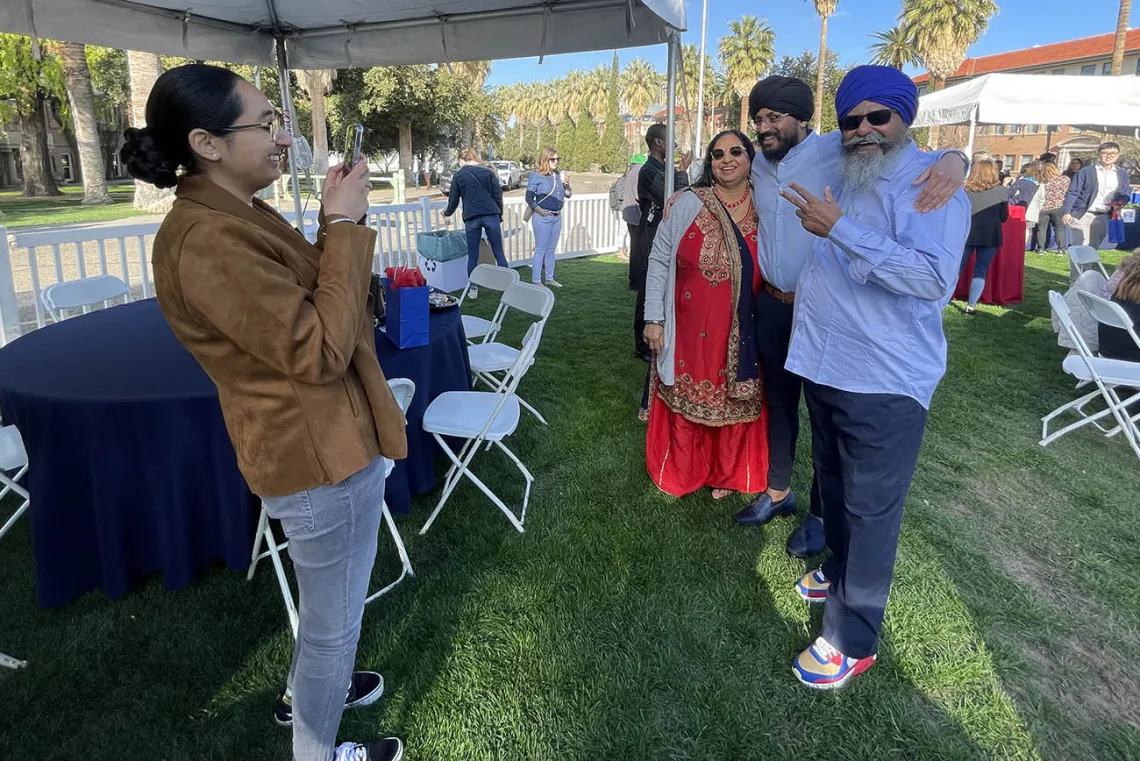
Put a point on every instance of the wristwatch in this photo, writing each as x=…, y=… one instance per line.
x=658, y=323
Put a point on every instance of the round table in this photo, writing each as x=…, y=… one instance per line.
x=131, y=469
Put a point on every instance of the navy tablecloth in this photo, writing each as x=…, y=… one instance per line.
x=131, y=470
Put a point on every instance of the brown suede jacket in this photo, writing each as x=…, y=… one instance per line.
x=283, y=329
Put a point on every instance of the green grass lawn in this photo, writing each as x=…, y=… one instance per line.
x=625, y=624
x=68, y=209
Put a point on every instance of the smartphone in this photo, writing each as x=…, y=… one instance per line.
x=353, y=145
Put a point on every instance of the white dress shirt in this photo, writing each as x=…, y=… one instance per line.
x=1106, y=182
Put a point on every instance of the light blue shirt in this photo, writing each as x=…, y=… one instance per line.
x=783, y=245
x=547, y=191
x=868, y=314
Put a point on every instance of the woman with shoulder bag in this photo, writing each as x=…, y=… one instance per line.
x=546, y=194
x=283, y=329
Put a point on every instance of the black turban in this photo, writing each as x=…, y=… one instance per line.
x=785, y=95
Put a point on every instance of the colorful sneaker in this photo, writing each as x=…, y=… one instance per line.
x=813, y=586
x=822, y=667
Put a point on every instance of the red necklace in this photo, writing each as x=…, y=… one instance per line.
x=733, y=204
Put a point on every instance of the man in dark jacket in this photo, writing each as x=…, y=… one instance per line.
x=651, y=200
x=1091, y=194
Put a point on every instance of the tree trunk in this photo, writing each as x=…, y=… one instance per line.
x=82, y=99
x=479, y=138
x=538, y=142
x=144, y=69
x=744, y=114
x=38, y=179
x=820, y=65
x=520, y=135
x=320, y=131
x=1121, y=33
x=936, y=84
x=405, y=127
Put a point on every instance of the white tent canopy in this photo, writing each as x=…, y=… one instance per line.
x=325, y=34
x=347, y=33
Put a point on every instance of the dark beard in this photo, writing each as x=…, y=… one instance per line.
x=785, y=145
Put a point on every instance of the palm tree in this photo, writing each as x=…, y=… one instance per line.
x=640, y=87
x=81, y=96
x=894, y=48
x=942, y=30
x=691, y=76
x=144, y=69
x=1121, y=33
x=824, y=8
x=575, y=81
x=318, y=83
x=746, y=54
x=474, y=73
x=595, y=93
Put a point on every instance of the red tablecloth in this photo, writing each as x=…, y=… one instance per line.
x=1006, y=279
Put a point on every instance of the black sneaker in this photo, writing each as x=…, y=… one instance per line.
x=388, y=749
x=367, y=687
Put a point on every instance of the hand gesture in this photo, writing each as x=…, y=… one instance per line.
x=345, y=194
x=655, y=337
x=817, y=215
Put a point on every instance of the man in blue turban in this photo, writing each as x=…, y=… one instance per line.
x=867, y=340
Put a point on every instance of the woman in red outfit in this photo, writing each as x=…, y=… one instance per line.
x=707, y=421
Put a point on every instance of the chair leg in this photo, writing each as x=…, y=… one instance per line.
x=262, y=527
x=283, y=582
x=460, y=469
x=8, y=662
x=11, y=485
x=405, y=561
x=1046, y=437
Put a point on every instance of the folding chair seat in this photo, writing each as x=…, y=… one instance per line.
x=491, y=278
x=403, y=390
x=60, y=298
x=480, y=417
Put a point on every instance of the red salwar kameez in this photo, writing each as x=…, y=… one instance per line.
x=698, y=436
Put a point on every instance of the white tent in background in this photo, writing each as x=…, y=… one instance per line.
x=328, y=34
x=1111, y=104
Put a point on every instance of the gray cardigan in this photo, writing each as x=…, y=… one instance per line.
x=661, y=277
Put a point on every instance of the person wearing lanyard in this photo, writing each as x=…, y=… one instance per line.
x=781, y=108
x=546, y=193
x=1091, y=194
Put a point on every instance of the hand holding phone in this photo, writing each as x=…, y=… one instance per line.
x=345, y=192
x=353, y=146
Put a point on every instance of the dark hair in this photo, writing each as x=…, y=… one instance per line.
x=195, y=96
x=706, y=178
x=1107, y=145
x=1048, y=158
x=655, y=132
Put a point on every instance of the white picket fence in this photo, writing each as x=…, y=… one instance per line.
x=31, y=261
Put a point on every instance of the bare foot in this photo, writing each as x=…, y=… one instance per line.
x=722, y=493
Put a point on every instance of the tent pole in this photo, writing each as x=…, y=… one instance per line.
x=973, y=127
x=670, y=113
x=287, y=107
x=701, y=82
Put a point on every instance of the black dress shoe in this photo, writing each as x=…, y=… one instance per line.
x=808, y=539
x=763, y=509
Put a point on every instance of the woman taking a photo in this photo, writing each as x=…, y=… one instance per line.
x=477, y=185
x=283, y=328
x=990, y=209
x=707, y=424
x=546, y=193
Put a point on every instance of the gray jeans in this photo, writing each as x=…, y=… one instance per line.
x=332, y=534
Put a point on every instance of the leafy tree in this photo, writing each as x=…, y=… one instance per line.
x=585, y=142
x=112, y=85
x=746, y=54
x=566, y=144
x=27, y=84
x=803, y=67
x=894, y=48
x=614, y=152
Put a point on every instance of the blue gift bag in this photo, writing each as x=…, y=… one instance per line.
x=1116, y=233
x=406, y=319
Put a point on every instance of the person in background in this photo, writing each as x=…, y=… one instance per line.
x=989, y=210
x=1075, y=166
x=789, y=151
x=651, y=200
x=1124, y=289
x=629, y=208
x=1054, y=187
x=1048, y=158
x=283, y=328
x=1022, y=190
x=1092, y=193
x=1003, y=176
x=477, y=185
x=546, y=193
x=706, y=422
x=980, y=156
x=869, y=344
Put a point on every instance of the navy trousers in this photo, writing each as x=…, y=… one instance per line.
x=864, y=450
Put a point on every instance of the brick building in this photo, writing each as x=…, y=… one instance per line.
x=1017, y=144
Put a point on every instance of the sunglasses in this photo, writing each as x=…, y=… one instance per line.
x=553, y=158
x=735, y=151
x=876, y=118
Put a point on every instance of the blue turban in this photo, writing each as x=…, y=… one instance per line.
x=885, y=85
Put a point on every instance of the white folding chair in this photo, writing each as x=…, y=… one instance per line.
x=491, y=278
x=13, y=457
x=403, y=389
x=8, y=662
x=60, y=298
x=1111, y=314
x=1106, y=374
x=478, y=417
x=490, y=358
x=1085, y=256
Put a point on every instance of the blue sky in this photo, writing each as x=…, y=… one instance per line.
x=1019, y=24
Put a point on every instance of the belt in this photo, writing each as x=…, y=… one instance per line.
x=787, y=298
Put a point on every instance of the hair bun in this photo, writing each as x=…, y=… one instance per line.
x=145, y=161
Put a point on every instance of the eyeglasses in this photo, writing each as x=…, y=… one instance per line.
x=735, y=151
x=771, y=119
x=876, y=118
x=273, y=126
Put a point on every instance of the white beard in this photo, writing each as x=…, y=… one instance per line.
x=863, y=169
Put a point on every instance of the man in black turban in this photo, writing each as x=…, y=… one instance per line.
x=781, y=95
